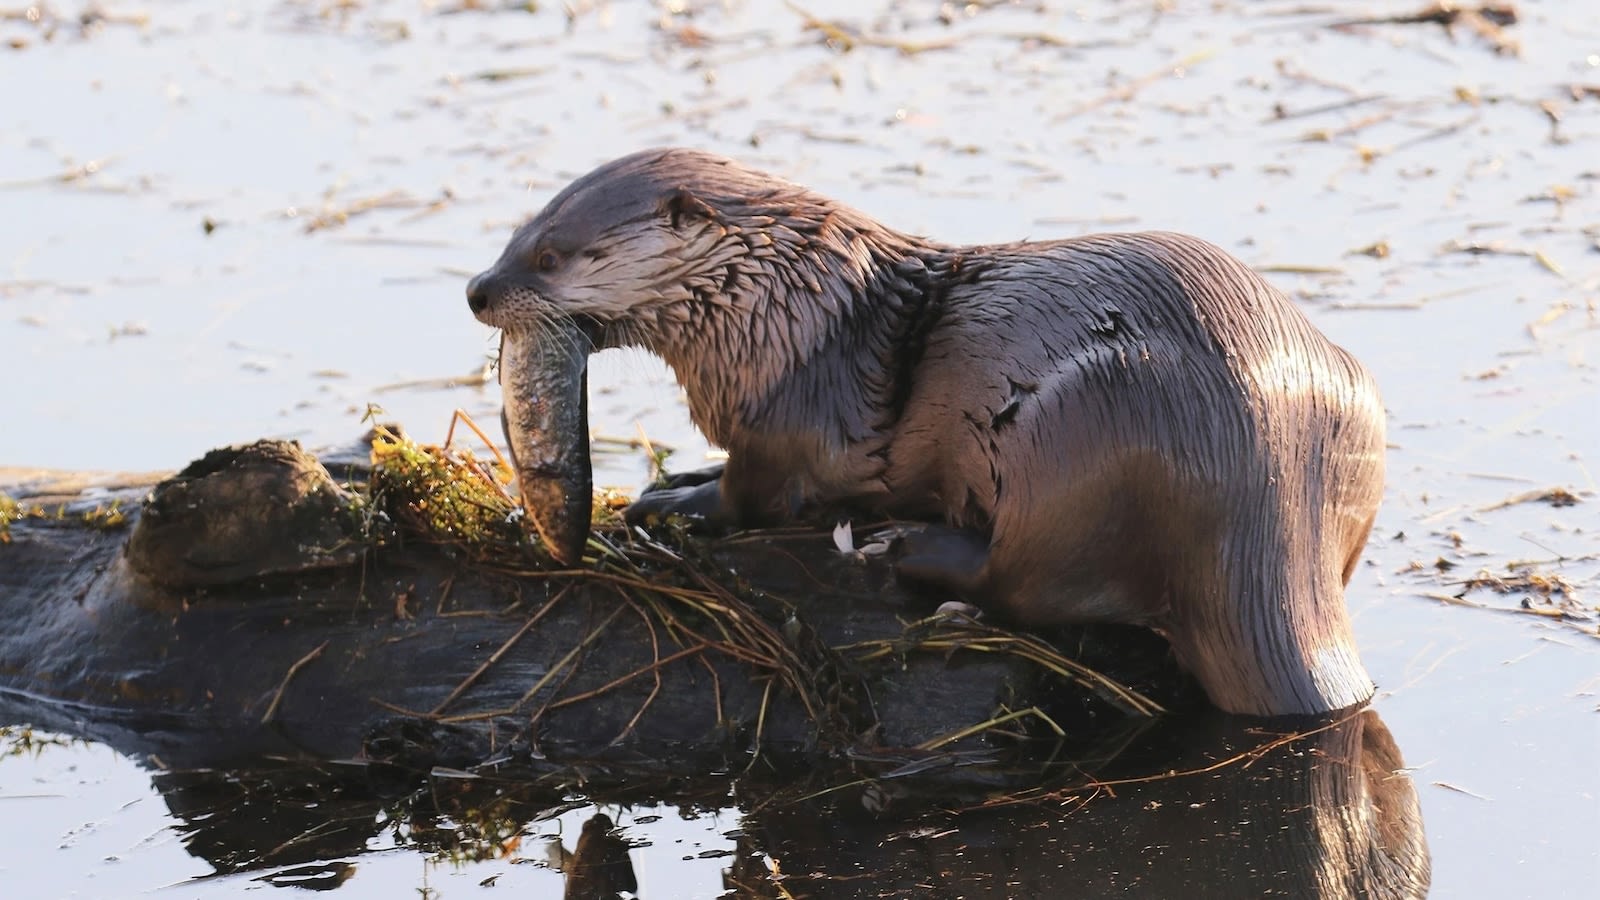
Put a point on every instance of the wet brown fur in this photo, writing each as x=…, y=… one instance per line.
x=1138, y=426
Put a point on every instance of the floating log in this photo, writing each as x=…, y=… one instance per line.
x=242, y=599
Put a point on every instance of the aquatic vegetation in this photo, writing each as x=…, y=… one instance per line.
x=447, y=496
x=23, y=740
x=100, y=517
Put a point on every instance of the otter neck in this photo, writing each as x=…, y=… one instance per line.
x=800, y=329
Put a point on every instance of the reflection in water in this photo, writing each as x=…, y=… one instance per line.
x=1210, y=806
x=324, y=877
x=289, y=816
x=1215, y=808
x=599, y=868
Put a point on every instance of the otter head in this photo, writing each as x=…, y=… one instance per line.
x=733, y=277
x=618, y=250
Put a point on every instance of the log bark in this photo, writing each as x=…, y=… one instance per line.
x=233, y=614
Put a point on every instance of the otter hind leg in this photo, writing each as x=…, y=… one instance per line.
x=950, y=558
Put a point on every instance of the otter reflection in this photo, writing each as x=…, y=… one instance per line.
x=599, y=867
x=1260, y=808
x=1330, y=814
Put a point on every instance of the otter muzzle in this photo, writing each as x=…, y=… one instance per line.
x=478, y=292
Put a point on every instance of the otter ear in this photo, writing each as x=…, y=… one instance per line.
x=680, y=204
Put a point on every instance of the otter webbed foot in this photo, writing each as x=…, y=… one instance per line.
x=943, y=557
x=695, y=495
x=691, y=478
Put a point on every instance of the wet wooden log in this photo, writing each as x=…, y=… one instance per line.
x=229, y=612
x=237, y=614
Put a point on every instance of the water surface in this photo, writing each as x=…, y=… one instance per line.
x=228, y=221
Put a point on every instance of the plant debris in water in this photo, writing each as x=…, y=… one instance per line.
x=10, y=510
x=99, y=517
x=22, y=740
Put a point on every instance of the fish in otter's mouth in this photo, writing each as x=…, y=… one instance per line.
x=545, y=414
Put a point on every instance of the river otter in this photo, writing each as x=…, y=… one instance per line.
x=1112, y=428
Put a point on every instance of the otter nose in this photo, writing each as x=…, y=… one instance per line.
x=478, y=292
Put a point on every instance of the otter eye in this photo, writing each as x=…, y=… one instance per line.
x=546, y=261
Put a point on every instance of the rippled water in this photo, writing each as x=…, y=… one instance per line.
x=219, y=222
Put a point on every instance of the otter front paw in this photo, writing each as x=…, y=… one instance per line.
x=690, y=478
x=948, y=558
x=697, y=501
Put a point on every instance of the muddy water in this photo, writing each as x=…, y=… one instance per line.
x=219, y=221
